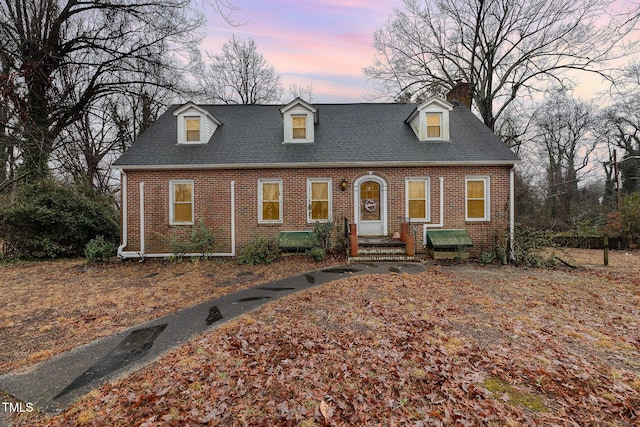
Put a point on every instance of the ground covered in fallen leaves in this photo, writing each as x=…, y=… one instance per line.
x=51, y=307
x=460, y=344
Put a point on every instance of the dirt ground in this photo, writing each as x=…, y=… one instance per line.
x=460, y=344
x=53, y=306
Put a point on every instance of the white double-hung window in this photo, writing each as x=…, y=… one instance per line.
x=269, y=201
x=477, y=194
x=319, y=199
x=417, y=199
x=181, y=202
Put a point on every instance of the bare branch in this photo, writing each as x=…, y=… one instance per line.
x=240, y=75
x=501, y=47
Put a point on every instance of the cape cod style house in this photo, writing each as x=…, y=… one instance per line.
x=258, y=170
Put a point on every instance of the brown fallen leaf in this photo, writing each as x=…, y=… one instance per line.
x=324, y=410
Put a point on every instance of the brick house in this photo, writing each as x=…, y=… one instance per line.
x=258, y=170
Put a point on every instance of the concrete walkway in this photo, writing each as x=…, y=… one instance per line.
x=53, y=385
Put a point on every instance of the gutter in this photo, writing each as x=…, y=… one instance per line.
x=425, y=227
x=123, y=193
x=122, y=254
x=142, y=219
x=512, y=214
x=317, y=165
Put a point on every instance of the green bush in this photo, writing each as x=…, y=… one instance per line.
x=202, y=241
x=630, y=211
x=50, y=219
x=322, y=234
x=317, y=254
x=487, y=257
x=99, y=249
x=259, y=250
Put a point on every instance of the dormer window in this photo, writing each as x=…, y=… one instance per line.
x=299, y=119
x=299, y=125
x=434, y=125
x=430, y=120
x=192, y=125
x=195, y=124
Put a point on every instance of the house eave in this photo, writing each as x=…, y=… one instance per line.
x=307, y=165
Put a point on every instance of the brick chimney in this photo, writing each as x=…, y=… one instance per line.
x=460, y=93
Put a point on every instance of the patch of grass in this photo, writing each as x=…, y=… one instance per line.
x=86, y=417
x=452, y=345
x=516, y=397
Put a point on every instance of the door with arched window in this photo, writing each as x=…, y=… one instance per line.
x=370, y=202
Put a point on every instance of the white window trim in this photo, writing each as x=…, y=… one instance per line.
x=306, y=128
x=208, y=124
x=330, y=195
x=288, y=123
x=427, y=197
x=487, y=198
x=418, y=119
x=171, y=201
x=186, y=130
x=269, y=181
x=426, y=126
x=182, y=128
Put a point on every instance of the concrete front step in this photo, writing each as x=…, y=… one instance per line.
x=381, y=251
x=383, y=242
x=382, y=258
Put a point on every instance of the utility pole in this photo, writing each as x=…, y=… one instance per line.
x=615, y=171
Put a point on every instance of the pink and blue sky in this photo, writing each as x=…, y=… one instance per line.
x=325, y=43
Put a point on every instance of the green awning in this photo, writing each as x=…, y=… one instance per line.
x=448, y=239
x=295, y=240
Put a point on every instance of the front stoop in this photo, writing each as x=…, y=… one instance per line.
x=379, y=258
x=381, y=248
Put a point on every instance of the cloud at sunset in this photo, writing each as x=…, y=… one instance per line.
x=326, y=43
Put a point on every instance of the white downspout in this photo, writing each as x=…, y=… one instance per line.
x=225, y=254
x=439, y=224
x=141, y=219
x=233, y=218
x=123, y=193
x=512, y=214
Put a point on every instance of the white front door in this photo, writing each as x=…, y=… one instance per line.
x=370, y=206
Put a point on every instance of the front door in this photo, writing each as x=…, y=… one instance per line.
x=370, y=213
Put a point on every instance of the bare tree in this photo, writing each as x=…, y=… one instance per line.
x=64, y=55
x=240, y=75
x=299, y=91
x=562, y=127
x=620, y=126
x=85, y=150
x=501, y=47
x=224, y=8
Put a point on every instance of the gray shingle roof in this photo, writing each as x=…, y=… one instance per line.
x=347, y=134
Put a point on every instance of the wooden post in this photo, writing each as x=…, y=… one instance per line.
x=615, y=168
x=411, y=247
x=404, y=231
x=353, y=239
x=606, y=249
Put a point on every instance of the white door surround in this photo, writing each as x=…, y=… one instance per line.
x=370, y=212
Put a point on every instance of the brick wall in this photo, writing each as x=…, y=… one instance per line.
x=212, y=194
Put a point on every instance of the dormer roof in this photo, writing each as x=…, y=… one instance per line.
x=430, y=120
x=299, y=102
x=350, y=135
x=435, y=103
x=190, y=107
